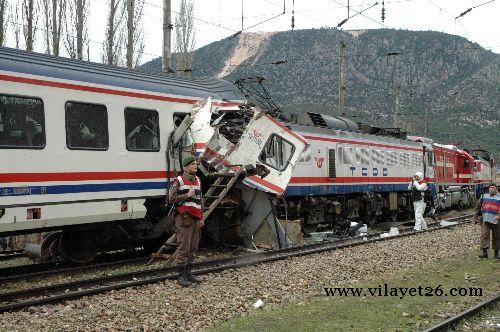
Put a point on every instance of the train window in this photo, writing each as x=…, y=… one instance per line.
x=305, y=156
x=365, y=156
x=277, y=152
x=392, y=157
x=377, y=157
x=354, y=156
x=382, y=158
x=417, y=160
x=142, y=130
x=86, y=126
x=348, y=156
x=22, y=123
x=340, y=154
x=404, y=159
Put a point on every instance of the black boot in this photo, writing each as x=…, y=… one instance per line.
x=484, y=254
x=190, y=276
x=182, y=280
x=497, y=254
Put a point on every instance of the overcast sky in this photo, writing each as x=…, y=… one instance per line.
x=217, y=19
x=481, y=25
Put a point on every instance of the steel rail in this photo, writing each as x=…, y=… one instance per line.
x=6, y=272
x=72, y=290
x=450, y=322
x=11, y=254
x=40, y=270
x=29, y=271
x=66, y=270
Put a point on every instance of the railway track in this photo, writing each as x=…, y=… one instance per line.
x=39, y=270
x=48, y=269
x=452, y=321
x=76, y=289
x=10, y=254
x=53, y=269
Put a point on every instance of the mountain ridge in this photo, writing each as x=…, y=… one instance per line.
x=458, y=81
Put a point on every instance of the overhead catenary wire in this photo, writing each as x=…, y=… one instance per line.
x=468, y=10
x=371, y=19
x=358, y=13
x=284, y=59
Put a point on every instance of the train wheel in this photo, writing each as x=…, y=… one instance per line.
x=49, y=247
x=78, y=246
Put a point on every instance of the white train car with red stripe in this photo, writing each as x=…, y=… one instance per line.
x=345, y=175
x=483, y=168
x=83, y=149
x=354, y=172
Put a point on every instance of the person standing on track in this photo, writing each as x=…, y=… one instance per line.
x=185, y=193
x=489, y=208
x=418, y=188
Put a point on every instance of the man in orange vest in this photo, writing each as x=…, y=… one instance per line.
x=185, y=194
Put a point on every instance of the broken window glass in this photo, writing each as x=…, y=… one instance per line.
x=277, y=152
x=86, y=126
x=142, y=130
x=306, y=157
x=22, y=123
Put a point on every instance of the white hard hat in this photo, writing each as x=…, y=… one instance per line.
x=419, y=175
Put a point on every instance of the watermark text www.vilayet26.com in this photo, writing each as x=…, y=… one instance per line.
x=401, y=292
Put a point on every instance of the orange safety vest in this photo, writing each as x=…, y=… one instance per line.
x=193, y=204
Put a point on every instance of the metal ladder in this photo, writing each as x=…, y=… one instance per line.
x=219, y=189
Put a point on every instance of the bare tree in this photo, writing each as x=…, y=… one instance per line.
x=55, y=16
x=76, y=28
x=47, y=11
x=16, y=23
x=167, y=36
x=135, y=42
x=185, y=37
x=30, y=10
x=3, y=16
x=113, y=46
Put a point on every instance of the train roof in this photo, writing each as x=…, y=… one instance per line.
x=38, y=64
x=312, y=130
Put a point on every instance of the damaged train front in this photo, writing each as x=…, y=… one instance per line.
x=246, y=158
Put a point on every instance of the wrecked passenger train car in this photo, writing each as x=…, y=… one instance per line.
x=88, y=151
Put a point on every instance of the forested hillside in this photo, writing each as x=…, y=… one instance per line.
x=457, y=80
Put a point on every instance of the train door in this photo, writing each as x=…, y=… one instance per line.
x=332, y=170
x=429, y=163
x=268, y=144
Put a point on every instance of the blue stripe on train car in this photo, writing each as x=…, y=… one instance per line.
x=343, y=189
x=80, y=188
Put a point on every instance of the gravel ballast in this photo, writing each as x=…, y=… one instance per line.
x=222, y=296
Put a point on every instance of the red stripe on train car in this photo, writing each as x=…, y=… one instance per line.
x=72, y=86
x=356, y=179
x=279, y=124
x=82, y=176
x=266, y=184
x=338, y=140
